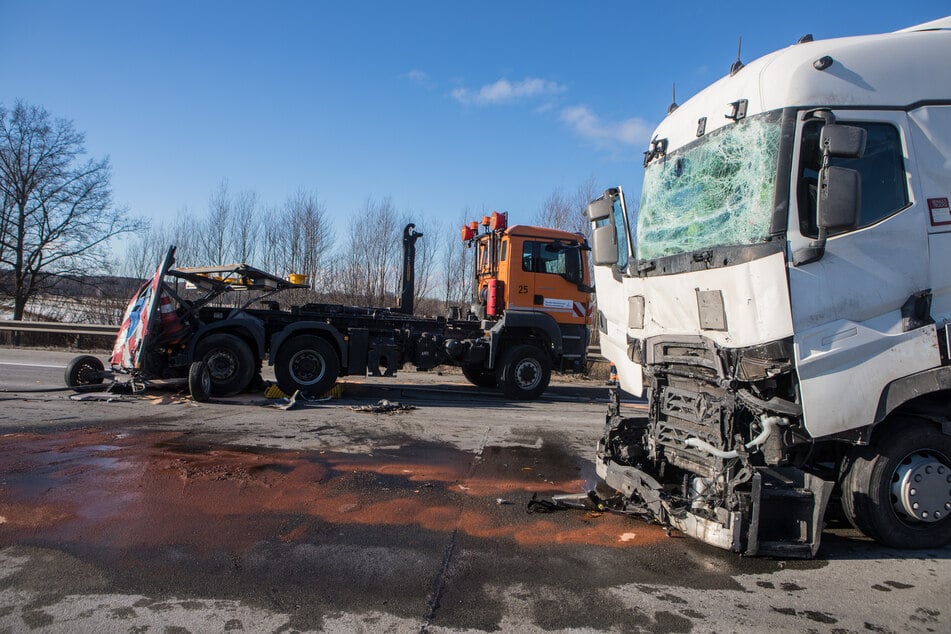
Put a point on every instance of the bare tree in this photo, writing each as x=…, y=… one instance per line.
x=565, y=211
x=305, y=238
x=556, y=212
x=58, y=216
x=215, y=231
x=245, y=227
x=145, y=250
x=272, y=237
x=370, y=261
x=457, y=262
x=6, y=217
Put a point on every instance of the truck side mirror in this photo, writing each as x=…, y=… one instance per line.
x=604, y=245
x=837, y=207
x=839, y=199
x=600, y=209
x=842, y=141
x=604, y=250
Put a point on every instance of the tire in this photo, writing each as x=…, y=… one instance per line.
x=199, y=381
x=307, y=363
x=479, y=375
x=898, y=490
x=525, y=372
x=230, y=363
x=84, y=370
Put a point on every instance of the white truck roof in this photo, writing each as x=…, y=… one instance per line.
x=888, y=70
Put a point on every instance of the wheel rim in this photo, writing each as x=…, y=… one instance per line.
x=528, y=374
x=921, y=488
x=307, y=367
x=222, y=365
x=86, y=374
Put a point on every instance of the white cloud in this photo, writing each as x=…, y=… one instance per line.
x=416, y=76
x=505, y=91
x=589, y=126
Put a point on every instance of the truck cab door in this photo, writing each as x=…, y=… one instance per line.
x=848, y=305
x=550, y=279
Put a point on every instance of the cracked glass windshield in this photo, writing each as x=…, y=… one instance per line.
x=717, y=191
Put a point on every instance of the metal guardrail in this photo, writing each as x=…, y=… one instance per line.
x=594, y=352
x=59, y=327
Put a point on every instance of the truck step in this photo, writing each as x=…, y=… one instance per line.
x=788, y=508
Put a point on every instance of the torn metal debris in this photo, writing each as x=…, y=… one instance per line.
x=384, y=407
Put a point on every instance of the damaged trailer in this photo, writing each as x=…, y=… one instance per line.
x=783, y=297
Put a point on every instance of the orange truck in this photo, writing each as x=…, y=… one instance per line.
x=533, y=295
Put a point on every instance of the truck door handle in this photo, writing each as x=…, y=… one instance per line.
x=539, y=300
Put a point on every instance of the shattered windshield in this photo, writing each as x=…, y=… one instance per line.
x=717, y=191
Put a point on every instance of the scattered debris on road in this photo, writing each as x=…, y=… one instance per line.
x=384, y=407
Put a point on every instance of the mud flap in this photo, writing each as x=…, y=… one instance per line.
x=787, y=511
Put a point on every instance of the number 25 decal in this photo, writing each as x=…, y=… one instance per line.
x=522, y=289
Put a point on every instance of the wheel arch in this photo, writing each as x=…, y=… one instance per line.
x=925, y=395
x=320, y=329
x=902, y=418
x=525, y=327
x=248, y=330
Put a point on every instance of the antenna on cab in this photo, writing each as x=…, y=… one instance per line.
x=737, y=65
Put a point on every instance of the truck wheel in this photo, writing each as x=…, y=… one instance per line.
x=525, y=372
x=479, y=375
x=199, y=381
x=83, y=370
x=230, y=362
x=898, y=490
x=307, y=363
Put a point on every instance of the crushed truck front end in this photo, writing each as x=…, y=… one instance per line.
x=713, y=348
x=780, y=299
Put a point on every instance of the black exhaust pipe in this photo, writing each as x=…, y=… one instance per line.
x=408, y=285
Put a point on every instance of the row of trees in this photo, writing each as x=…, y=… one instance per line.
x=358, y=263
x=58, y=221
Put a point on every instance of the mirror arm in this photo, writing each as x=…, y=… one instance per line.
x=814, y=251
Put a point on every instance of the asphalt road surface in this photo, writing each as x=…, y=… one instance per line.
x=155, y=513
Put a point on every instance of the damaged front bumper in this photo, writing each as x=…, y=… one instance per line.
x=781, y=514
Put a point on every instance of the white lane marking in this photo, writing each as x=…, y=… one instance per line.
x=32, y=365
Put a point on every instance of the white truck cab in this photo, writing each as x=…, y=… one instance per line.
x=783, y=295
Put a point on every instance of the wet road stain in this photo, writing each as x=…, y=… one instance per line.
x=316, y=532
x=157, y=488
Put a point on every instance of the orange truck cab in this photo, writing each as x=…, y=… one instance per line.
x=532, y=291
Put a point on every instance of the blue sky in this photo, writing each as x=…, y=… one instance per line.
x=440, y=105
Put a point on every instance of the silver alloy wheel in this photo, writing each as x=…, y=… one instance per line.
x=307, y=367
x=921, y=488
x=528, y=374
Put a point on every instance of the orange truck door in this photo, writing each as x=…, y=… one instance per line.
x=546, y=267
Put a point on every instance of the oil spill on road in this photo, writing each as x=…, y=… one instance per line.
x=307, y=532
